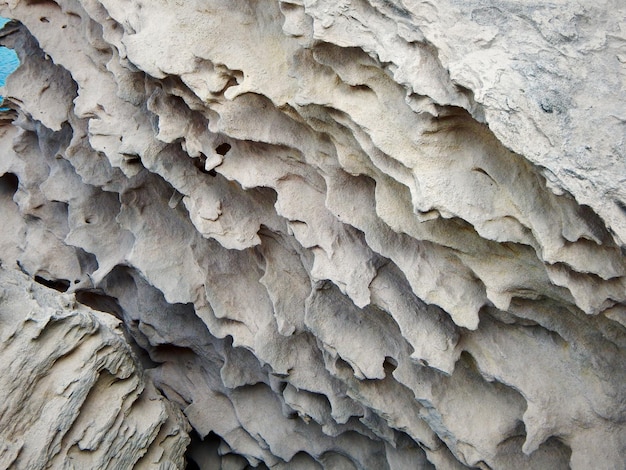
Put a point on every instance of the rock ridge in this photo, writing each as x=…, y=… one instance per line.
x=355, y=234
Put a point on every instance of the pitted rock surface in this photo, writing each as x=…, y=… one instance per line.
x=337, y=234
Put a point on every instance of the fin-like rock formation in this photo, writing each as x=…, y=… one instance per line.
x=355, y=234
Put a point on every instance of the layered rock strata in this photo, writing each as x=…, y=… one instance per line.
x=73, y=394
x=355, y=234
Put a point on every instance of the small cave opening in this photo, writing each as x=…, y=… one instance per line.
x=132, y=159
x=223, y=149
x=389, y=365
x=200, y=164
x=9, y=183
x=62, y=285
x=204, y=453
x=100, y=302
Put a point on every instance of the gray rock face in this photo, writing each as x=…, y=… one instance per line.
x=337, y=234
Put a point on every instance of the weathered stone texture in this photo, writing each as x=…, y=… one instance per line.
x=73, y=393
x=338, y=234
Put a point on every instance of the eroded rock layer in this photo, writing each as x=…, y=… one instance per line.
x=73, y=395
x=338, y=234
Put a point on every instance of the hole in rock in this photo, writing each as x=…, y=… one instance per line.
x=200, y=163
x=62, y=285
x=469, y=363
x=234, y=80
x=164, y=352
x=132, y=159
x=288, y=7
x=223, y=149
x=8, y=183
x=389, y=365
x=43, y=19
x=100, y=302
x=202, y=451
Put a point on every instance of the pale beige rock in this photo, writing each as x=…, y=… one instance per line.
x=339, y=234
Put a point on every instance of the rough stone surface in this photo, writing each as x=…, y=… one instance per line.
x=73, y=394
x=361, y=234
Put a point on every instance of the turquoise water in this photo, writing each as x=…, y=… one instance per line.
x=8, y=61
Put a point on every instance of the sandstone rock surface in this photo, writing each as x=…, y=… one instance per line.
x=338, y=234
x=73, y=395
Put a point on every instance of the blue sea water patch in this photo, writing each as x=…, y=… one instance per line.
x=8, y=61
